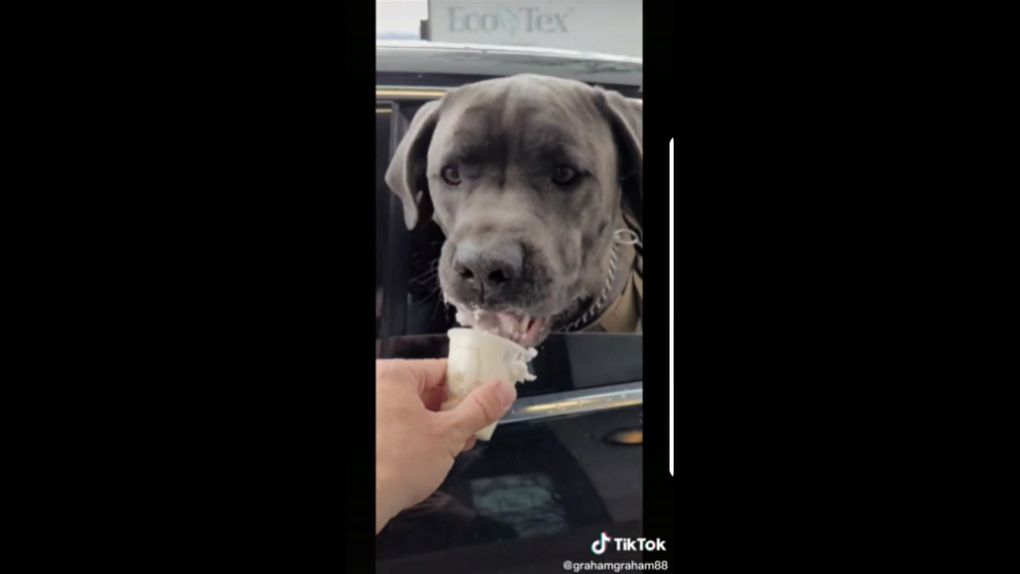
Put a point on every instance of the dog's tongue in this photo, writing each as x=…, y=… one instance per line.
x=521, y=329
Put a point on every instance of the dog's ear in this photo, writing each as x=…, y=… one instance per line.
x=624, y=117
x=406, y=173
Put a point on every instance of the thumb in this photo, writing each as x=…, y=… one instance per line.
x=483, y=406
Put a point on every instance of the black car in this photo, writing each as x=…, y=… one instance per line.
x=565, y=464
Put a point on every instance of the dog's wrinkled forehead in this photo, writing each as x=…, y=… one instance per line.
x=518, y=118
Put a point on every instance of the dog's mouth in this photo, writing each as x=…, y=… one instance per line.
x=524, y=329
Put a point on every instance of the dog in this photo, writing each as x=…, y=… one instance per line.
x=536, y=183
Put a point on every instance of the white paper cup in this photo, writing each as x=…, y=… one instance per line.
x=477, y=357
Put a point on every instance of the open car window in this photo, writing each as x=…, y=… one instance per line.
x=412, y=319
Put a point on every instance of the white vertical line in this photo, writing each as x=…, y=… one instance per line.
x=671, y=307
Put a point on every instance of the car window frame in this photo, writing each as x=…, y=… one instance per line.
x=404, y=101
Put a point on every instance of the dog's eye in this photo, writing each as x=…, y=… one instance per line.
x=564, y=175
x=450, y=175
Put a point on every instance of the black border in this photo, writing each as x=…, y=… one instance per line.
x=359, y=449
x=660, y=110
x=359, y=513
x=205, y=298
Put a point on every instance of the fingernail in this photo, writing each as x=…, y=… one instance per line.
x=507, y=393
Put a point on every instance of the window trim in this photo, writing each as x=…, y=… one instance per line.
x=394, y=93
x=576, y=402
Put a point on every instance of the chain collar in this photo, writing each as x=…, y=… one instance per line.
x=623, y=236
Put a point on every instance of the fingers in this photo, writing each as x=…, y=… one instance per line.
x=434, y=398
x=469, y=444
x=429, y=373
x=426, y=373
x=484, y=406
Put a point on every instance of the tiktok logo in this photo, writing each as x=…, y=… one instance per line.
x=628, y=544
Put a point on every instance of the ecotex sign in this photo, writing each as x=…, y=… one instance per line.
x=571, y=24
x=507, y=21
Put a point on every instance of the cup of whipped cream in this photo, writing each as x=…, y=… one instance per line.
x=477, y=357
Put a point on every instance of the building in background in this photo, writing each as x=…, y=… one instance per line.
x=606, y=26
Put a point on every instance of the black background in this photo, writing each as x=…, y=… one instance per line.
x=660, y=112
x=186, y=223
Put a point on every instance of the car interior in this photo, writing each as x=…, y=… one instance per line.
x=421, y=312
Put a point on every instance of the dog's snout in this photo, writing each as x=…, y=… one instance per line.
x=492, y=269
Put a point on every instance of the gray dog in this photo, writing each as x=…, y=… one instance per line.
x=530, y=178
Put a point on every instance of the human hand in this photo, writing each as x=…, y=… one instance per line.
x=415, y=442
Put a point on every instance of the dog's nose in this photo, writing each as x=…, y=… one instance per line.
x=491, y=269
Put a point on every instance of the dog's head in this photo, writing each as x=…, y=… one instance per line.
x=523, y=175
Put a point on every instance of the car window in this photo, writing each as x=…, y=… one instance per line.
x=412, y=318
